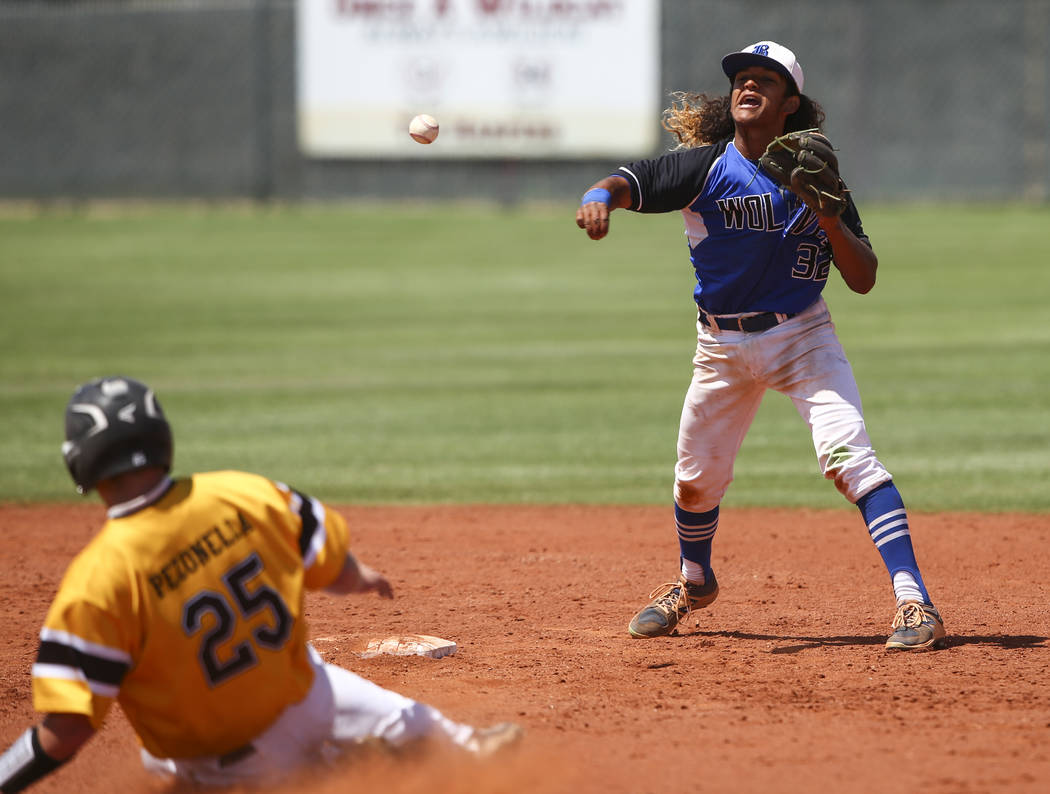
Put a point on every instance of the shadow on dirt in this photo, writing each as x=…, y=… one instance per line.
x=805, y=643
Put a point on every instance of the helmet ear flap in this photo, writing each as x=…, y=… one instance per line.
x=70, y=454
x=114, y=425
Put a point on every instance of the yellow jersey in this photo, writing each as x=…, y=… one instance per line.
x=189, y=613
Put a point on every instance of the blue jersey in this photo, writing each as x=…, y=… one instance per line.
x=755, y=246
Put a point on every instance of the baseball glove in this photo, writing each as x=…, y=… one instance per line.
x=805, y=164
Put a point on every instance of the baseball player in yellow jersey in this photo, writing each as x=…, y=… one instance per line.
x=187, y=609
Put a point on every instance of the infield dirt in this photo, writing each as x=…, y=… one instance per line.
x=784, y=685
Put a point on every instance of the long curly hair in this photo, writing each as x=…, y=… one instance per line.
x=700, y=119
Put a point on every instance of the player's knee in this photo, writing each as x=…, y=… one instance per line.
x=696, y=498
x=854, y=470
x=838, y=476
x=415, y=721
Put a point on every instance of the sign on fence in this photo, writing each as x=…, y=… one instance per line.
x=504, y=78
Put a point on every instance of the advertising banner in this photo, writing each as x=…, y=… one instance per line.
x=503, y=78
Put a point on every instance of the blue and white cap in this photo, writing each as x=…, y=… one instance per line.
x=768, y=54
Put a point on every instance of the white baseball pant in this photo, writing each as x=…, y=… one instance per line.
x=340, y=709
x=802, y=358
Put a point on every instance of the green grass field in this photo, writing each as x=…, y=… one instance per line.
x=410, y=355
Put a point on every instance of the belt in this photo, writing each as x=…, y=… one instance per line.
x=232, y=757
x=750, y=324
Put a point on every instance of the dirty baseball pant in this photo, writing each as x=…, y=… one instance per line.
x=340, y=709
x=801, y=358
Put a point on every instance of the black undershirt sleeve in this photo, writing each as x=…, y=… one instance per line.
x=670, y=182
x=851, y=218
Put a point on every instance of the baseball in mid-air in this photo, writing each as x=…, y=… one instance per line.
x=423, y=128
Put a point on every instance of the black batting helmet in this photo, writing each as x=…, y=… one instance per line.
x=114, y=425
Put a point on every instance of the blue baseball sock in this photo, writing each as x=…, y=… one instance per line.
x=887, y=520
x=696, y=531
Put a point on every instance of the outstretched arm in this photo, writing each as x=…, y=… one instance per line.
x=42, y=749
x=609, y=194
x=856, y=261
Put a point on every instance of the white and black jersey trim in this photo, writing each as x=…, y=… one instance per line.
x=311, y=513
x=636, y=187
x=72, y=658
x=154, y=494
x=312, y=538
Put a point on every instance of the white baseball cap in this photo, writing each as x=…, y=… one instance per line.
x=768, y=54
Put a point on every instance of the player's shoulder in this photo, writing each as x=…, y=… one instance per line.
x=694, y=163
x=233, y=481
x=671, y=180
x=101, y=569
x=695, y=156
x=219, y=491
x=715, y=148
x=247, y=491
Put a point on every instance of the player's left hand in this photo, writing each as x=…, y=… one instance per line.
x=373, y=580
x=356, y=577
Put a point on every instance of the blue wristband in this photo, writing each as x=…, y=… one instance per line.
x=596, y=194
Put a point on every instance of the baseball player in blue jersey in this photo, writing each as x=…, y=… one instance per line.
x=762, y=255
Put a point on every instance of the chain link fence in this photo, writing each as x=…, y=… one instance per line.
x=926, y=99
